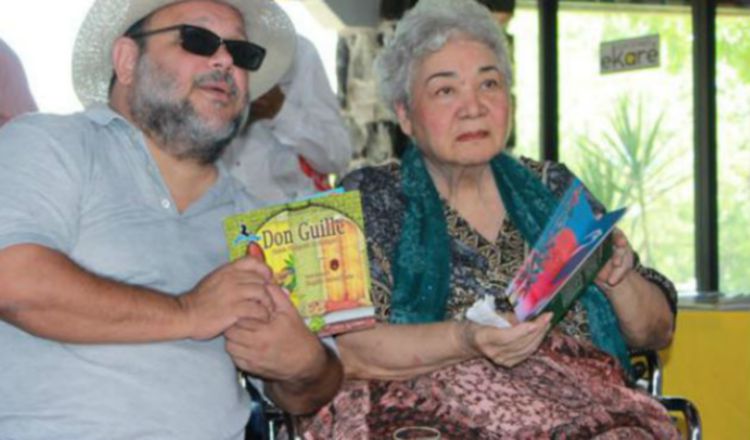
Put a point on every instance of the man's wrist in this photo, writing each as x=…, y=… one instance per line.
x=314, y=376
x=304, y=395
x=316, y=368
x=185, y=317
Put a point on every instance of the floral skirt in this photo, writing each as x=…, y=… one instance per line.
x=567, y=390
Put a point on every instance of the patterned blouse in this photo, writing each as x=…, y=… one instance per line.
x=478, y=266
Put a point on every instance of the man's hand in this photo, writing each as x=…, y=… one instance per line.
x=233, y=291
x=300, y=374
x=505, y=346
x=268, y=105
x=280, y=348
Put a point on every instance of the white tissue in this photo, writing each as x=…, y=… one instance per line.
x=483, y=312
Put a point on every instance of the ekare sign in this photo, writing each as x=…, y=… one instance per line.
x=630, y=54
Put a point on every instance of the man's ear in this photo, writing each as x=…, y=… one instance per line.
x=125, y=53
x=402, y=113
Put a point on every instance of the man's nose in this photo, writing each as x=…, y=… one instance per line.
x=222, y=59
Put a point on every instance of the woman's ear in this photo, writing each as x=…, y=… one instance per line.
x=402, y=113
x=125, y=54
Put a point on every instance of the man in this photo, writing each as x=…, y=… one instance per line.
x=15, y=96
x=296, y=136
x=114, y=286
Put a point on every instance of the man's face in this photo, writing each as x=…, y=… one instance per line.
x=191, y=104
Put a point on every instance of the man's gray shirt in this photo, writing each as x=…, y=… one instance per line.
x=87, y=186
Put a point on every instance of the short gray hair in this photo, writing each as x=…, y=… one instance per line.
x=425, y=29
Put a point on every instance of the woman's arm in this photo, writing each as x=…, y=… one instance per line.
x=645, y=308
x=393, y=352
x=645, y=316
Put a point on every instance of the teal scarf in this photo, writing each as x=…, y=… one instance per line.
x=422, y=260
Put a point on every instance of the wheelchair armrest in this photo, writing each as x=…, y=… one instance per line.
x=688, y=411
x=648, y=370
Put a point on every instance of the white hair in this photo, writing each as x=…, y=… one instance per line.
x=425, y=29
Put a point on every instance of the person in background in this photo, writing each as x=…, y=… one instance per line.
x=501, y=9
x=120, y=316
x=295, y=138
x=15, y=96
x=449, y=225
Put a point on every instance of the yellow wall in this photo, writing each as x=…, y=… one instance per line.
x=709, y=363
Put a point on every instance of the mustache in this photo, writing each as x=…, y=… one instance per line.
x=218, y=76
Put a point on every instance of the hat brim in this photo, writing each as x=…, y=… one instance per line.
x=266, y=24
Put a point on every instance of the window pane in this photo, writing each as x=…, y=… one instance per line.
x=629, y=135
x=733, y=104
x=524, y=30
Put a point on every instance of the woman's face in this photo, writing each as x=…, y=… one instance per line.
x=459, y=112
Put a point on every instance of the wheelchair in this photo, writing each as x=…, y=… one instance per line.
x=648, y=372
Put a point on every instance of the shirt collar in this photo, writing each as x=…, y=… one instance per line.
x=103, y=114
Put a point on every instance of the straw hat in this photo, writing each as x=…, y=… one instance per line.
x=266, y=24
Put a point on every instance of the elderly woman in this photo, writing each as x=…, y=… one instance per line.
x=451, y=224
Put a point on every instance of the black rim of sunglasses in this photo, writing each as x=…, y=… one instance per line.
x=245, y=54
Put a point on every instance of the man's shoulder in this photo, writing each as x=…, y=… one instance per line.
x=60, y=129
x=40, y=131
x=55, y=124
x=44, y=121
x=73, y=142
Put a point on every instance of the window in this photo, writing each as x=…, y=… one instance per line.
x=524, y=30
x=629, y=135
x=733, y=108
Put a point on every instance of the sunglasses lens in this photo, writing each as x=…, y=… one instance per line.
x=245, y=54
x=199, y=41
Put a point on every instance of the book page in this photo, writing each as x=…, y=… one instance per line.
x=560, y=263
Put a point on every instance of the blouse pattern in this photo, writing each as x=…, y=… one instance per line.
x=478, y=266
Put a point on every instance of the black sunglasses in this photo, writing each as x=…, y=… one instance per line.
x=200, y=41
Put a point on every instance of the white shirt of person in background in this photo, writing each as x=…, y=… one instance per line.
x=296, y=135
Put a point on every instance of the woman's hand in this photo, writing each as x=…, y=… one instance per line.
x=507, y=347
x=619, y=265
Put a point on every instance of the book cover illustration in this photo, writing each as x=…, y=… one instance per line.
x=567, y=256
x=318, y=252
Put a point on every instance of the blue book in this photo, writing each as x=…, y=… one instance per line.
x=572, y=249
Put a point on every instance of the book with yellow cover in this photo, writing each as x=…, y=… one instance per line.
x=317, y=250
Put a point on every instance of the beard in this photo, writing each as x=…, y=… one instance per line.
x=175, y=123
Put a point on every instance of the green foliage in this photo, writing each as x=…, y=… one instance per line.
x=734, y=219
x=733, y=45
x=601, y=176
x=629, y=165
x=625, y=161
